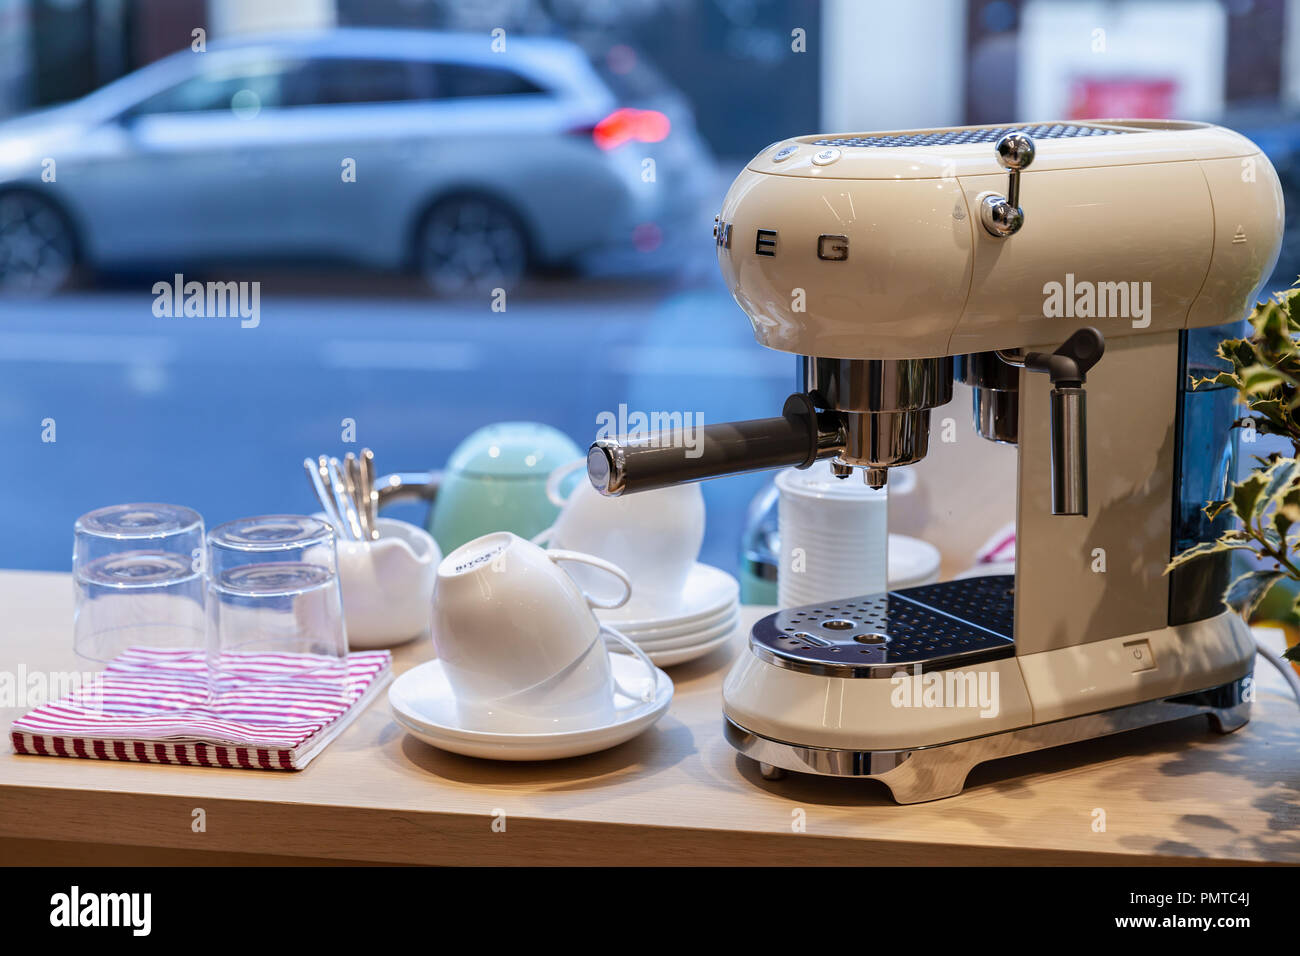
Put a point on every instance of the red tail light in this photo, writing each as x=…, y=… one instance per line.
x=626, y=125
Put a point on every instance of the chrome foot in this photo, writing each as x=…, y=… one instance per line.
x=932, y=773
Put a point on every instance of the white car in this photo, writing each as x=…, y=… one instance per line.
x=388, y=149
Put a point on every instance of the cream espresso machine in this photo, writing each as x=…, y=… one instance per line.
x=1077, y=275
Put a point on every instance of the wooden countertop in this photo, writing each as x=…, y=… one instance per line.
x=677, y=794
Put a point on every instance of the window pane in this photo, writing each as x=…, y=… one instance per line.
x=216, y=90
x=461, y=79
x=336, y=81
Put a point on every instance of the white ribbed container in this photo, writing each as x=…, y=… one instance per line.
x=834, y=536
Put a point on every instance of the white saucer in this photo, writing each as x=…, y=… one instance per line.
x=684, y=654
x=708, y=591
x=701, y=636
x=642, y=634
x=424, y=707
x=911, y=562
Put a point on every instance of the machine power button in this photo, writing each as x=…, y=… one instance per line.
x=1139, y=656
x=784, y=153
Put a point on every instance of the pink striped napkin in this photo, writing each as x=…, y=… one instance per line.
x=1000, y=548
x=152, y=706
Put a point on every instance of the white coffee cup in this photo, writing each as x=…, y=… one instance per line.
x=387, y=584
x=655, y=536
x=518, y=641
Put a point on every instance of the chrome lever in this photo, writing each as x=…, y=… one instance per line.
x=1002, y=215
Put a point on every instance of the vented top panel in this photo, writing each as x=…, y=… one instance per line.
x=935, y=626
x=983, y=134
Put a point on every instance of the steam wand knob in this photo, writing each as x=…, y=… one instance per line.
x=1002, y=215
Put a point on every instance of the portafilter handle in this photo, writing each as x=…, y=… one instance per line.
x=801, y=436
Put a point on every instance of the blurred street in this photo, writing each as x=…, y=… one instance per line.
x=420, y=155
x=201, y=412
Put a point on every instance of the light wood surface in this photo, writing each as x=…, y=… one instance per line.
x=677, y=794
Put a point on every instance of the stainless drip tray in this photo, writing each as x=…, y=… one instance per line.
x=937, y=626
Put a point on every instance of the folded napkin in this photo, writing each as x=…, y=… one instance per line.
x=1000, y=548
x=153, y=706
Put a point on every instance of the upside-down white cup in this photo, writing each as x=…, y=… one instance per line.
x=655, y=536
x=517, y=638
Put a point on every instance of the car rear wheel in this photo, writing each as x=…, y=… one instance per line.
x=37, y=249
x=471, y=244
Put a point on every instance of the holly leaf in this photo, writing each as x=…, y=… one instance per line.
x=1228, y=379
x=1281, y=476
x=1228, y=541
x=1240, y=352
x=1246, y=496
x=1274, y=409
x=1245, y=593
x=1262, y=380
x=1289, y=506
x=1215, y=508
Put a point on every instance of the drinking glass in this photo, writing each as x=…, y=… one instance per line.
x=138, y=574
x=276, y=637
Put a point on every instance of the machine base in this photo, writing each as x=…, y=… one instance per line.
x=931, y=773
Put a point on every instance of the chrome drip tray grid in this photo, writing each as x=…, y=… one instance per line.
x=976, y=134
x=937, y=626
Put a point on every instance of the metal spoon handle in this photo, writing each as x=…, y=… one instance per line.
x=351, y=523
x=318, y=488
x=371, y=492
x=352, y=473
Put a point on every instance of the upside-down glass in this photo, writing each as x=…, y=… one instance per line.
x=138, y=574
x=275, y=614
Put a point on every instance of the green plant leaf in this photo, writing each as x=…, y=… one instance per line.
x=1273, y=408
x=1281, y=476
x=1230, y=379
x=1240, y=352
x=1262, y=380
x=1245, y=593
x=1228, y=541
x=1246, y=496
x=1215, y=508
x=1289, y=505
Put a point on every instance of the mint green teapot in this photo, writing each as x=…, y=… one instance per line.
x=495, y=480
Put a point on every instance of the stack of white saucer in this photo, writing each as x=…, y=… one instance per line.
x=703, y=620
x=680, y=609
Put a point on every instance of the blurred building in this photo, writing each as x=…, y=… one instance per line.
x=54, y=50
x=14, y=43
x=842, y=64
x=708, y=49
